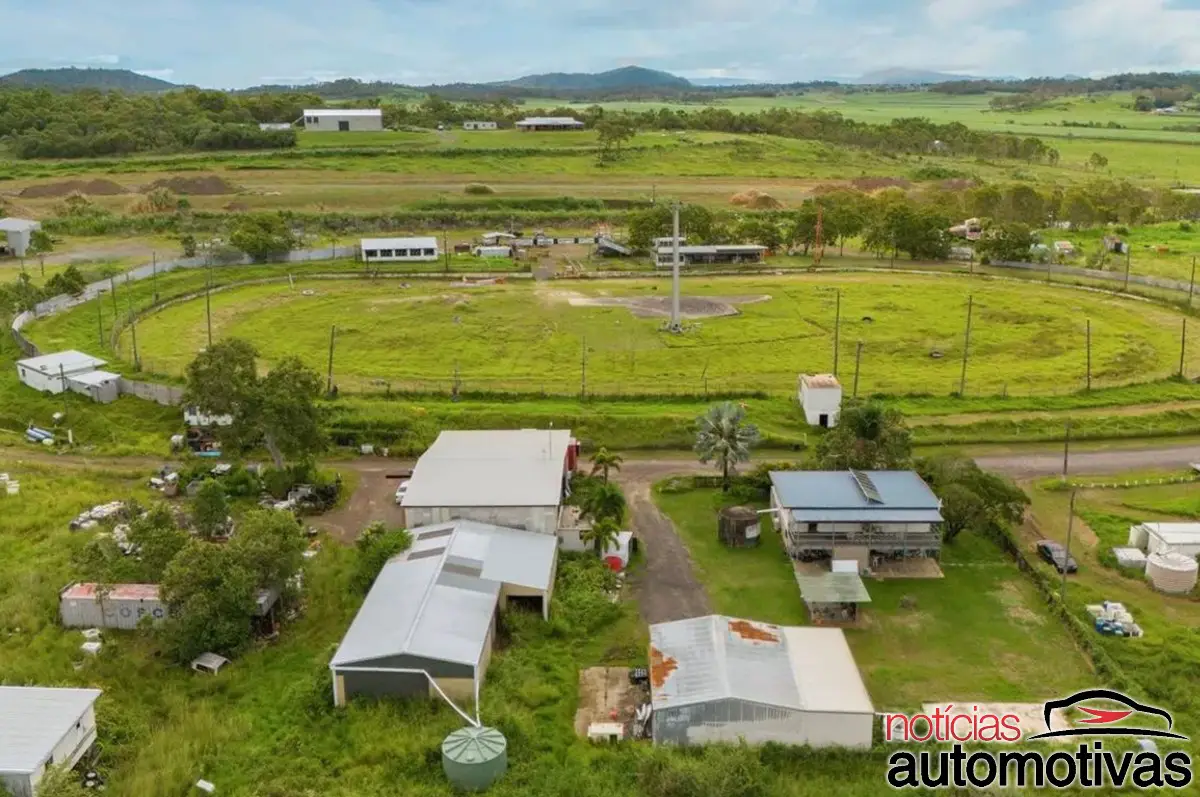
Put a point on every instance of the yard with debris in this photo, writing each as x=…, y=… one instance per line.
x=980, y=633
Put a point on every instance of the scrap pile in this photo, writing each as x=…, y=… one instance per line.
x=93, y=517
x=1112, y=619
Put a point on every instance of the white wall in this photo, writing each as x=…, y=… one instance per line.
x=1155, y=544
x=542, y=519
x=821, y=401
x=77, y=741
x=329, y=124
x=422, y=257
x=46, y=382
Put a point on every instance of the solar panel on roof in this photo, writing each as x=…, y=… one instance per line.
x=866, y=486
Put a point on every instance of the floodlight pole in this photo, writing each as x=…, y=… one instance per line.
x=676, y=325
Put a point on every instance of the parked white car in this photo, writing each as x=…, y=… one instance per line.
x=400, y=491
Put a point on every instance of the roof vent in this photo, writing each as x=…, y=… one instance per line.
x=866, y=486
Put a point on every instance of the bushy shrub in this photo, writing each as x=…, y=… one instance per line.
x=374, y=547
x=478, y=189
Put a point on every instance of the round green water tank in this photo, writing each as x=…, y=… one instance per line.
x=474, y=758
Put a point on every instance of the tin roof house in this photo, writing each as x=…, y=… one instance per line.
x=42, y=728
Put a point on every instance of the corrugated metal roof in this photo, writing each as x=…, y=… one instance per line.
x=68, y=361
x=875, y=514
x=838, y=489
x=19, y=225
x=713, y=250
x=437, y=601
x=716, y=658
x=94, y=377
x=399, y=243
x=1175, y=533
x=343, y=112
x=128, y=592
x=34, y=719
x=522, y=467
x=565, y=121
x=836, y=587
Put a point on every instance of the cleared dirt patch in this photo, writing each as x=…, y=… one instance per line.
x=877, y=183
x=1014, y=605
x=759, y=200
x=90, y=187
x=204, y=185
x=660, y=306
x=605, y=695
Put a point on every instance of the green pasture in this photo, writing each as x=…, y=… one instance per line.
x=531, y=338
x=1019, y=651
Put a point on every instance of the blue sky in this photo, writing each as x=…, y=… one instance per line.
x=226, y=44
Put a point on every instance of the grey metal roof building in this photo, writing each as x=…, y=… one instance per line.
x=718, y=678
x=846, y=496
x=549, y=123
x=42, y=727
x=427, y=622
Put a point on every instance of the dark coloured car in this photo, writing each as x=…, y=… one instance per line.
x=1057, y=555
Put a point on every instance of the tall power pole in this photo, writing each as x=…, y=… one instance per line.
x=676, y=323
x=837, y=330
x=962, y=382
x=1089, y=354
x=329, y=379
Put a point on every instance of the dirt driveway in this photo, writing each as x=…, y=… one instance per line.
x=375, y=498
x=667, y=588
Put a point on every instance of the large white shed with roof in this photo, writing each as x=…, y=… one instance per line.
x=19, y=233
x=41, y=728
x=52, y=373
x=721, y=679
x=427, y=624
x=342, y=119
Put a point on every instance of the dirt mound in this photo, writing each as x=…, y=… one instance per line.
x=58, y=190
x=206, y=185
x=755, y=199
x=877, y=183
x=660, y=306
x=237, y=207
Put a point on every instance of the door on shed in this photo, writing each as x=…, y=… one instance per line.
x=343, y=126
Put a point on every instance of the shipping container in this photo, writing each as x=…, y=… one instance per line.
x=121, y=606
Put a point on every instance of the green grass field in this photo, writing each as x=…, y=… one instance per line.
x=1027, y=338
x=1019, y=652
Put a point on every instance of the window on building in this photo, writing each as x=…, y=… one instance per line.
x=430, y=252
x=812, y=528
x=385, y=253
x=401, y=253
x=371, y=253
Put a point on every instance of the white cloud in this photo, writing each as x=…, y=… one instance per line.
x=1109, y=34
x=161, y=74
x=949, y=13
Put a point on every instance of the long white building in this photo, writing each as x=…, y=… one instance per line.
x=333, y=120
x=399, y=250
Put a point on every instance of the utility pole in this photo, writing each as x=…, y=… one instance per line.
x=1128, y=263
x=1182, y=346
x=962, y=382
x=446, y=250
x=676, y=325
x=62, y=376
x=1192, y=283
x=112, y=287
x=583, y=371
x=837, y=330
x=1089, y=354
x=857, y=364
x=137, y=363
x=1067, y=450
x=329, y=379
x=208, y=303
x=100, y=322
x=154, y=266
x=1067, y=557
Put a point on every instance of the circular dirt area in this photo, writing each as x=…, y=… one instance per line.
x=660, y=306
x=90, y=187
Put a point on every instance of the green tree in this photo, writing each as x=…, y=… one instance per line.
x=603, y=461
x=696, y=223
x=157, y=540
x=374, y=547
x=1006, y=242
x=270, y=544
x=604, y=501
x=287, y=413
x=210, y=510
x=187, y=242
x=1097, y=161
x=613, y=132
x=972, y=498
x=602, y=534
x=68, y=281
x=868, y=436
x=210, y=597
x=263, y=236
x=40, y=243
x=725, y=438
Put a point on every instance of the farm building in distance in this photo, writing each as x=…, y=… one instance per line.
x=404, y=250
x=18, y=232
x=512, y=478
x=326, y=120
x=40, y=728
x=720, y=679
x=547, y=123
x=864, y=516
x=710, y=255
x=821, y=398
x=429, y=620
x=1155, y=538
x=52, y=373
x=479, y=126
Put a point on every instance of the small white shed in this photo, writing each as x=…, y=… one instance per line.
x=478, y=125
x=51, y=373
x=102, y=387
x=42, y=728
x=1155, y=538
x=18, y=232
x=343, y=119
x=821, y=398
x=493, y=251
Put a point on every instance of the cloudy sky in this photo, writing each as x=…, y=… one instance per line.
x=235, y=43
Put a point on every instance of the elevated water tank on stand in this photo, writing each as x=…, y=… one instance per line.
x=1171, y=572
x=474, y=758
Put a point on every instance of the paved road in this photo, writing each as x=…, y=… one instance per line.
x=1024, y=466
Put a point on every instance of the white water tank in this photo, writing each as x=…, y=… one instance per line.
x=1172, y=572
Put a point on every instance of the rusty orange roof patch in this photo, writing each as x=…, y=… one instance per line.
x=661, y=667
x=752, y=632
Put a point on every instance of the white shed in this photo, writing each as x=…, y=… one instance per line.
x=325, y=120
x=493, y=251
x=102, y=387
x=721, y=679
x=1155, y=538
x=402, y=250
x=477, y=125
x=51, y=373
x=18, y=232
x=275, y=126
x=821, y=398
x=41, y=728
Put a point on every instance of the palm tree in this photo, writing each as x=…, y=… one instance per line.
x=601, y=535
x=724, y=437
x=604, y=502
x=603, y=461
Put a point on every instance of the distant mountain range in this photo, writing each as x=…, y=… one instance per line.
x=73, y=78
x=627, y=77
x=899, y=76
x=721, y=82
